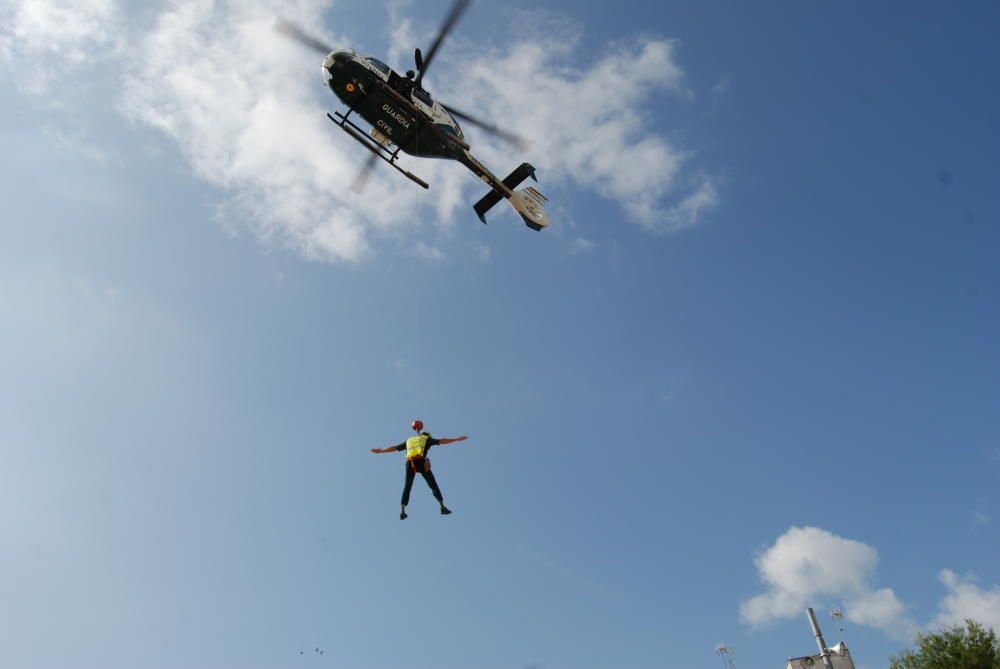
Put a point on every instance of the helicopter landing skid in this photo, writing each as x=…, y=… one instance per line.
x=377, y=148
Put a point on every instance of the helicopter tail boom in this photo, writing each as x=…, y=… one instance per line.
x=527, y=202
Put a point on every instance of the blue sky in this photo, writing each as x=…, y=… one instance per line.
x=750, y=368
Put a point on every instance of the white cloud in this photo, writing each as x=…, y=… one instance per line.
x=248, y=116
x=402, y=39
x=805, y=562
x=41, y=40
x=77, y=143
x=427, y=252
x=808, y=565
x=965, y=600
x=247, y=110
x=592, y=125
x=242, y=105
x=687, y=212
x=880, y=609
x=581, y=245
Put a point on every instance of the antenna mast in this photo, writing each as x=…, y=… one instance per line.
x=823, y=652
x=726, y=652
x=838, y=617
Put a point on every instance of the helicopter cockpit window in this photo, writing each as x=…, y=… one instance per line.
x=457, y=130
x=379, y=64
x=423, y=96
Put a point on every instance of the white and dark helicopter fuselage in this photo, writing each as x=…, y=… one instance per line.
x=399, y=111
x=403, y=116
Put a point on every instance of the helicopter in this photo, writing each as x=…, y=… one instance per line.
x=403, y=116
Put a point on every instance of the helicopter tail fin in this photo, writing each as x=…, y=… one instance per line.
x=512, y=181
x=530, y=204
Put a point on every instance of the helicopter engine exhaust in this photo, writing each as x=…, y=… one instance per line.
x=527, y=202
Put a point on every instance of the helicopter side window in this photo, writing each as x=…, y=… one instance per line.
x=382, y=67
x=423, y=96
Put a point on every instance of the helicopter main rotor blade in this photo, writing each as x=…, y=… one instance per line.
x=510, y=137
x=449, y=23
x=361, y=180
x=295, y=33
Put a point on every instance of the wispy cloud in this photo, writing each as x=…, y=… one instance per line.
x=580, y=245
x=570, y=574
x=79, y=144
x=482, y=252
x=690, y=210
x=67, y=318
x=427, y=251
x=979, y=519
x=402, y=36
x=42, y=40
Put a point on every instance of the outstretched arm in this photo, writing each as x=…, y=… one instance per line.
x=389, y=449
x=451, y=441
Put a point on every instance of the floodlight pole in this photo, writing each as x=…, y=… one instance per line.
x=823, y=652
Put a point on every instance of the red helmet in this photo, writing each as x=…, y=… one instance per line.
x=417, y=425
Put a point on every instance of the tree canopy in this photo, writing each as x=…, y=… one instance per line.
x=970, y=647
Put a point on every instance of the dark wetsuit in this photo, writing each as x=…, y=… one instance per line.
x=417, y=465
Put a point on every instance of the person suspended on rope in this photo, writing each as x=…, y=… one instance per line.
x=417, y=462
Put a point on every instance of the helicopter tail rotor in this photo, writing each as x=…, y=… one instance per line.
x=530, y=204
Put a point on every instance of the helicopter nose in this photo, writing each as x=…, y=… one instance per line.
x=335, y=59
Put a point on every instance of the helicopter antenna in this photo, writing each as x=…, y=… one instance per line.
x=838, y=617
x=726, y=653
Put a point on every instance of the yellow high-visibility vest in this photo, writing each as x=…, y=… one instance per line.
x=417, y=446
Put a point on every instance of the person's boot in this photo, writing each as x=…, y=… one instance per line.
x=445, y=511
x=402, y=513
